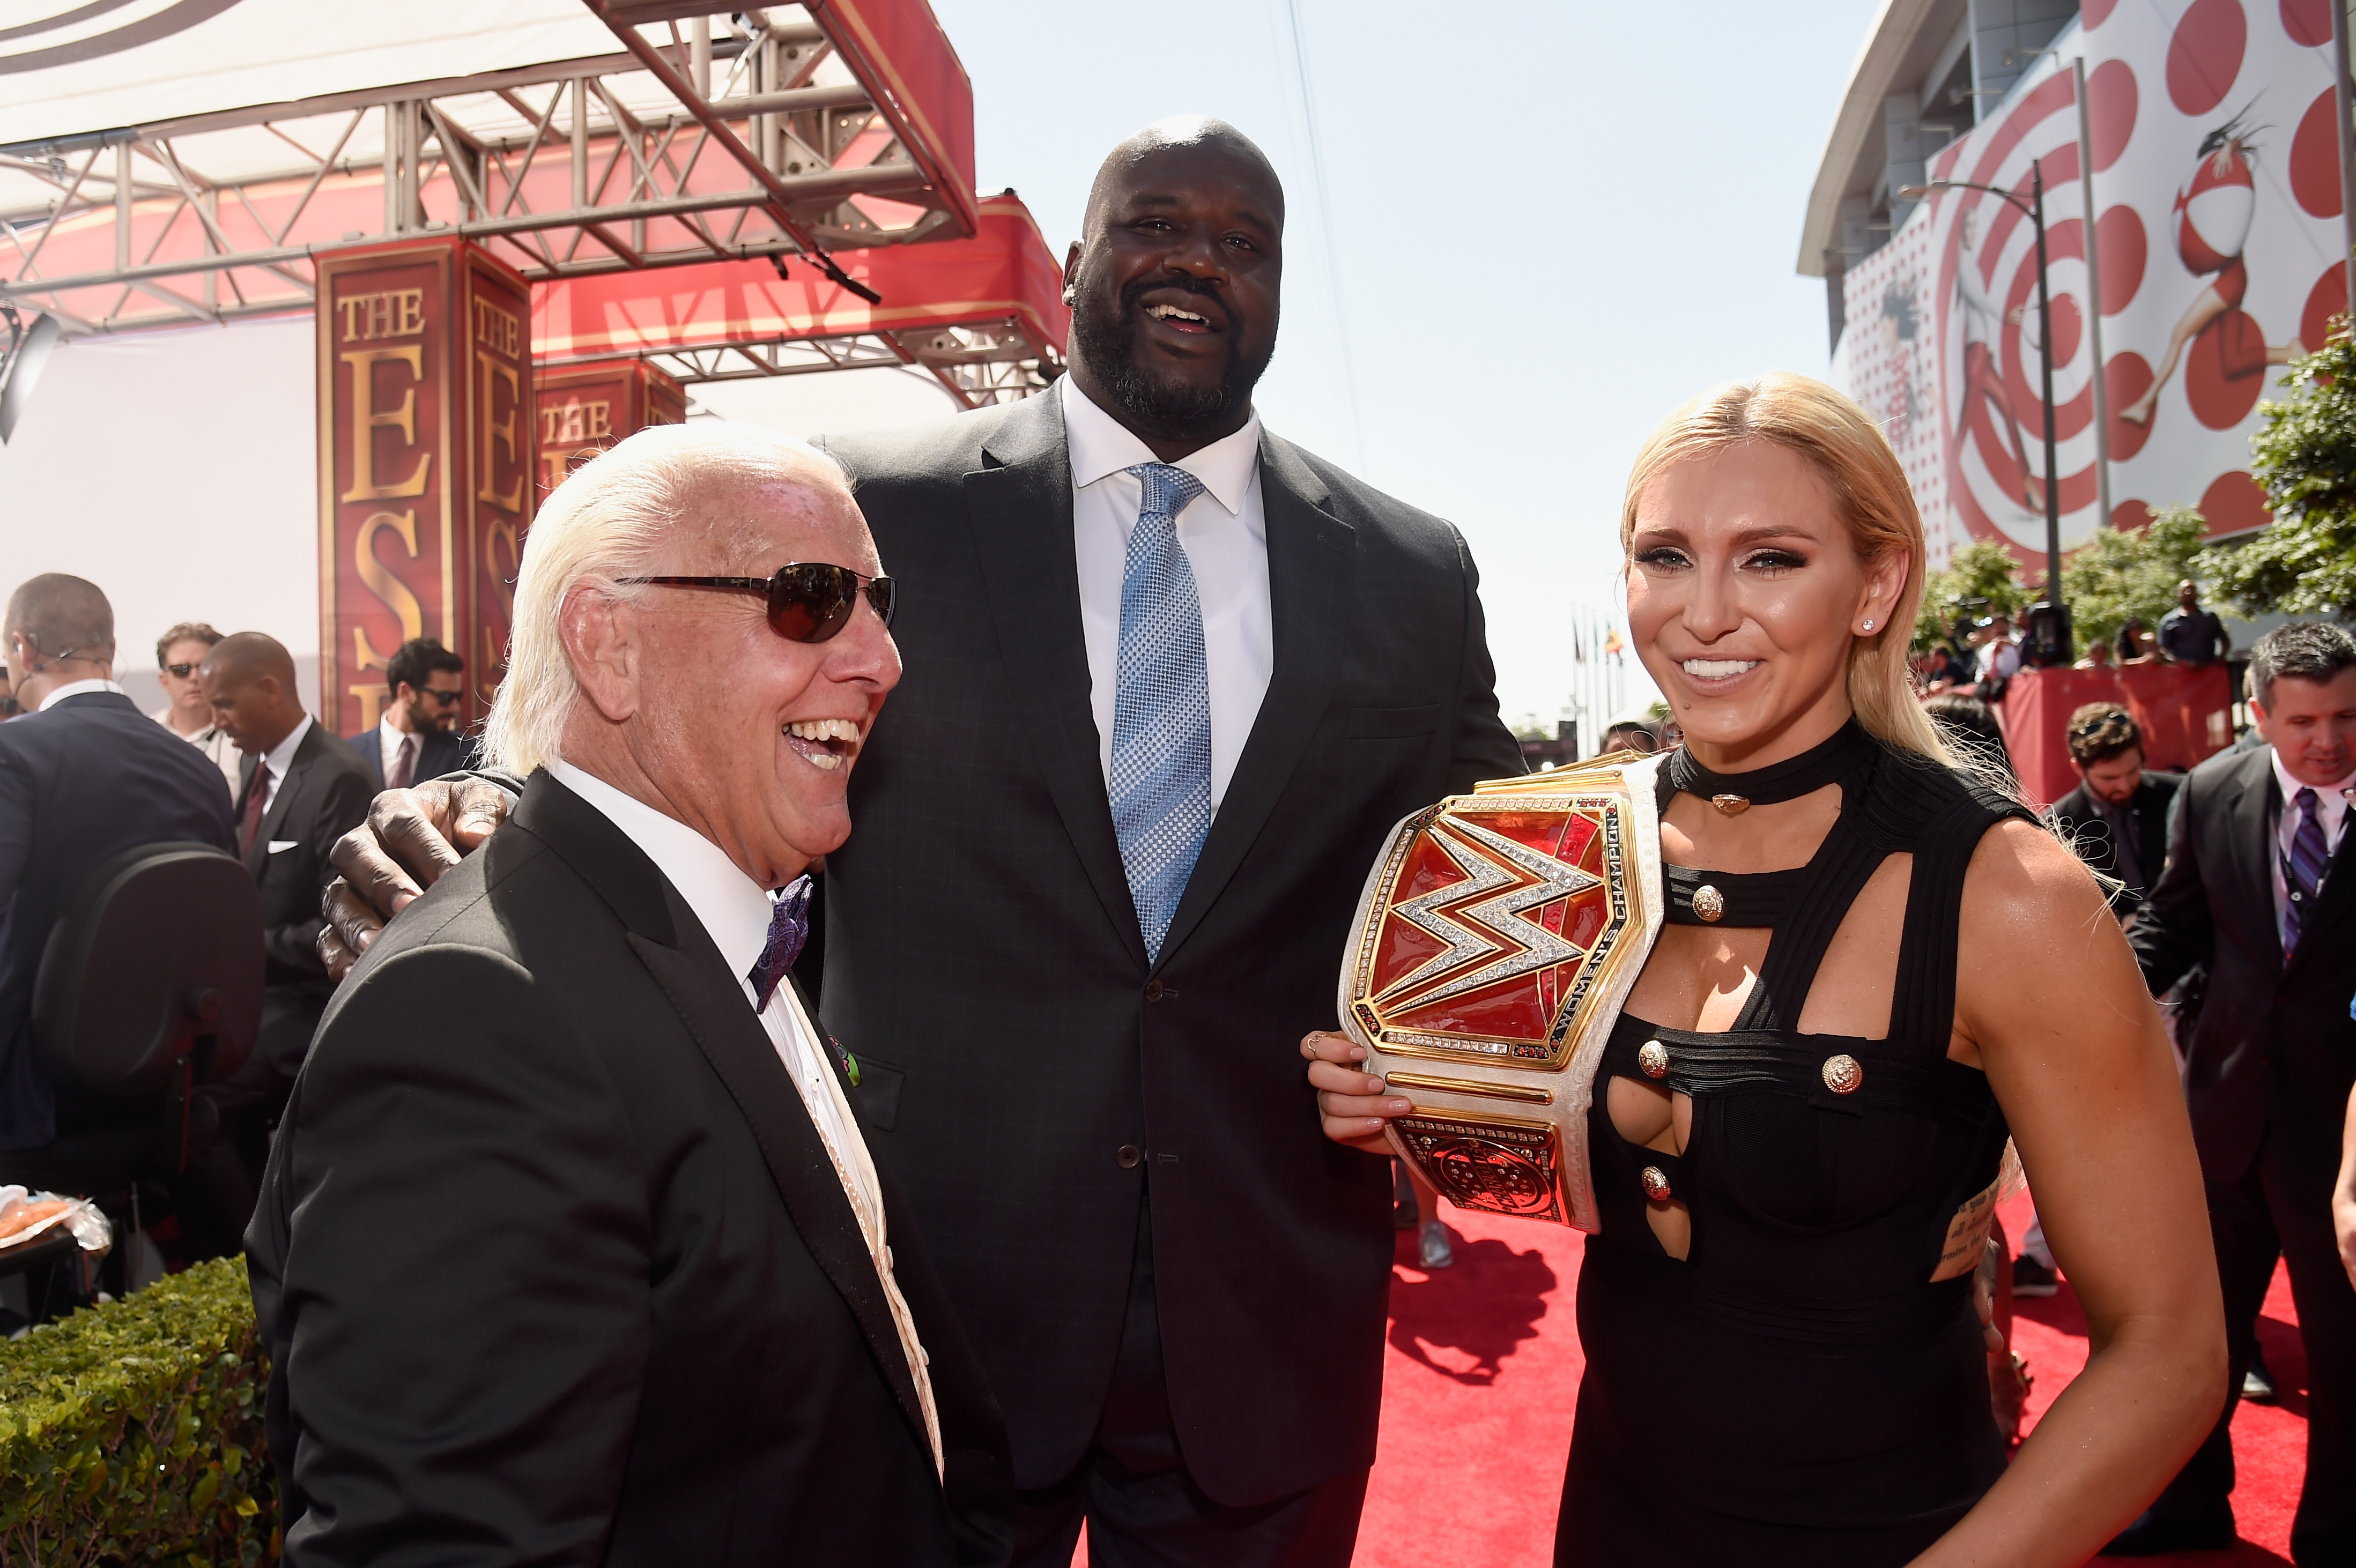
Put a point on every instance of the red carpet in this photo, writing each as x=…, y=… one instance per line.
x=1483, y=1372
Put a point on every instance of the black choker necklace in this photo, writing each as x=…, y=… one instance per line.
x=1848, y=750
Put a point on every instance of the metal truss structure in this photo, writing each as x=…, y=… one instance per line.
x=742, y=135
x=978, y=366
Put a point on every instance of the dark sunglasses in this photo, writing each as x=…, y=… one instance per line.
x=441, y=698
x=809, y=601
x=180, y=671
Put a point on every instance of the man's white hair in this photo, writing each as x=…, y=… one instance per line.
x=615, y=517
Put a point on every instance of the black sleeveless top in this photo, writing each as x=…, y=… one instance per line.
x=1796, y=1389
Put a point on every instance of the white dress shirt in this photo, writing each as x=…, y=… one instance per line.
x=388, y=747
x=1224, y=535
x=2330, y=815
x=734, y=911
x=218, y=750
x=280, y=758
x=75, y=689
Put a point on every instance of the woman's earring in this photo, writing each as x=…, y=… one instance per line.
x=1868, y=625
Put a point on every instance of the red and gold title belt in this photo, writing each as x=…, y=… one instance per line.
x=1496, y=940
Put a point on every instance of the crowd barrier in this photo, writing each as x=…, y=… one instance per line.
x=2187, y=716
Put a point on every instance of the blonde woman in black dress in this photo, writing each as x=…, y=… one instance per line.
x=1801, y=1114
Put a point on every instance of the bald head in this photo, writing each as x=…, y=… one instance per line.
x=249, y=678
x=59, y=629
x=1175, y=285
x=1195, y=132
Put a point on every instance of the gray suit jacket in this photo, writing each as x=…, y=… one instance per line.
x=1029, y=1074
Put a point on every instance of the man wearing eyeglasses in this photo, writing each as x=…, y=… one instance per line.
x=186, y=713
x=425, y=685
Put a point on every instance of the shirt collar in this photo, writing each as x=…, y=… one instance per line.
x=732, y=908
x=77, y=688
x=2329, y=797
x=1101, y=445
x=282, y=756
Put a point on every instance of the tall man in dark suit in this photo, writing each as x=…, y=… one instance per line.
x=572, y=1250
x=2117, y=818
x=424, y=684
x=2257, y=887
x=1170, y=681
x=303, y=789
x=84, y=775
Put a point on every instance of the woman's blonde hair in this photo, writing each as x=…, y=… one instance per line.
x=1870, y=495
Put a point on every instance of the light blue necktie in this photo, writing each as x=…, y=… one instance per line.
x=1160, y=782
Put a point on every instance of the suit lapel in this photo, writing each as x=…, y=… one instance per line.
x=1312, y=559
x=1022, y=511
x=2250, y=821
x=679, y=956
x=2331, y=906
x=734, y=1040
x=290, y=790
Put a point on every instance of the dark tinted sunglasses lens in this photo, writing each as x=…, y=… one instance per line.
x=810, y=603
x=179, y=671
x=882, y=592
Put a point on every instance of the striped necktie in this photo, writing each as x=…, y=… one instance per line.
x=1159, y=785
x=2309, y=858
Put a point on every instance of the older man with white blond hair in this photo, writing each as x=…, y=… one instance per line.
x=571, y=1249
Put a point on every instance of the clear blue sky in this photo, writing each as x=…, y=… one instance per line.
x=1552, y=221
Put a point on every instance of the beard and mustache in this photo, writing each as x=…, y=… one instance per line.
x=1105, y=339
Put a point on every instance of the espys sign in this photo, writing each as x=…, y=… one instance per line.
x=2217, y=251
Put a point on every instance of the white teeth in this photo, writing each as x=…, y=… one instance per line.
x=1717, y=669
x=824, y=762
x=823, y=730
x=1164, y=311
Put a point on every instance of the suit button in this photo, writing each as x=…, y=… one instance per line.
x=1154, y=990
x=1130, y=1157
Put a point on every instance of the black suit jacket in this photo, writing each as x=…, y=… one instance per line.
x=2084, y=828
x=443, y=752
x=983, y=958
x=80, y=783
x=555, y=1269
x=2275, y=1052
x=324, y=795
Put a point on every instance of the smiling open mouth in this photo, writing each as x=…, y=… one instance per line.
x=1717, y=669
x=1184, y=320
x=824, y=743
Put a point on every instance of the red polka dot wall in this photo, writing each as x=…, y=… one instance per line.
x=2216, y=247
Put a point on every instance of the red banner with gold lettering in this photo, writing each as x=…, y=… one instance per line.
x=426, y=454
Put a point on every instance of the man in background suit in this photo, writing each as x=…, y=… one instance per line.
x=303, y=789
x=84, y=775
x=2257, y=887
x=2117, y=818
x=1170, y=681
x=425, y=684
x=572, y=1251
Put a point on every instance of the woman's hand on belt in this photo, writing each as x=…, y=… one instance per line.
x=1352, y=1102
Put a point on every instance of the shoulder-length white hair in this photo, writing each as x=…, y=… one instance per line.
x=617, y=517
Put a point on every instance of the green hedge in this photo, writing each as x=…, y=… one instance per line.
x=131, y=1432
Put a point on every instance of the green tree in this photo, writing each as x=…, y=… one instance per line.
x=2305, y=456
x=2130, y=574
x=1982, y=578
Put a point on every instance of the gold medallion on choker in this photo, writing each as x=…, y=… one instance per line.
x=1730, y=805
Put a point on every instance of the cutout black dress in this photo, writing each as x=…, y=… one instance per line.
x=1796, y=1389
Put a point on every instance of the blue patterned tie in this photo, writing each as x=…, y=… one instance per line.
x=1160, y=782
x=2308, y=857
x=789, y=929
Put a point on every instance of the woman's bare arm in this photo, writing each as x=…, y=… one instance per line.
x=2050, y=1001
x=2343, y=1193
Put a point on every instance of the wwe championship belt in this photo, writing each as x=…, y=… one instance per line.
x=1497, y=937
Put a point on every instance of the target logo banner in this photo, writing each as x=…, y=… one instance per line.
x=2215, y=247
